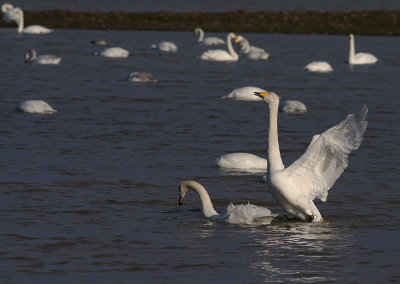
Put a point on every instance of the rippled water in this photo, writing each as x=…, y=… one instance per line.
x=89, y=195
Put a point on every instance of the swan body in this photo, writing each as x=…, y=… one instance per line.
x=31, y=57
x=207, y=40
x=141, y=77
x=165, y=46
x=291, y=106
x=35, y=106
x=15, y=14
x=361, y=57
x=319, y=66
x=114, y=52
x=250, y=51
x=220, y=54
x=315, y=172
x=234, y=214
x=241, y=162
x=99, y=42
x=244, y=94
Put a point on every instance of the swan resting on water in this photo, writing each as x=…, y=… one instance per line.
x=291, y=106
x=251, y=51
x=319, y=66
x=141, y=77
x=207, y=40
x=114, y=52
x=315, y=172
x=240, y=162
x=15, y=14
x=360, y=57
x=31, y=57
x=35, y=106
x=234, y=214
x=166, y=46
x=220, y=54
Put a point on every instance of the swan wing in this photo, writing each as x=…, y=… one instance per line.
x=217, y=55
x=315, y=172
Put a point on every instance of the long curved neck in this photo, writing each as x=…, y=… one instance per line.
x=21, y=22
x=201, y=35
x=352, y=50
x=230, y=48
x=274, y=154
x=245, y=46
x=206, y=204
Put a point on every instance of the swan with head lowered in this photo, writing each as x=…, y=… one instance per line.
x=315, y=172
x=360, y=57
x=15, y=14
x=220, y=54
x=211, y=40
x=31, y=57
x=114, y=52
x=234, y=214
x=251, y=51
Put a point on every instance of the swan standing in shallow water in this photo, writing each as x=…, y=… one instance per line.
x=220, y=54
x=360, y=57
x=234, y=214
x=207, y=40
x=114, y=52
x=31, y=57
x=251, y=51
x=35, y=106
x=241, y=162
x=166, y=46
x=244, y=94
x=11, y=14
x=141, y=77
x=315, y=172
x=319, y=66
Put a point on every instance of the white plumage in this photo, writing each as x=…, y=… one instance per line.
x=114, y=52
x=360, y=57
x=35, y=106
x=251, y=51
x=211, y=40
x=244, y=94
x=319, y=66
x=166, y=46
x=220, y=54
x=292, y=106
x=240, y=162
x=31, y=57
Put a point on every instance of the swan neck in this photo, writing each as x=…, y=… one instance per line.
x=206, y=204
x=201, y=35
x=352, y=50
x=20, y=21
x=230, y=47
x=245, y=46
x=274, y=154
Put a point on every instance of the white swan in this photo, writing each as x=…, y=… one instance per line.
x=244, y=94
x=99, y=42
x=114, y=52
x=207, y=40
x=31, y=57
x=141, y=77
x=315, y=172
x=319, y=66
x=291, y=106
x=240, y=162
x=11, y=14
x=234, y=214
x=165, y=46
x=222, y=55
x=360, y=57
x=251, y=51
x=35, y=106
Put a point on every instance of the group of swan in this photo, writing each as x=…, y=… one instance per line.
x=15, y=14
x=35, y=106
x=31, y=57
x=360, y=58
x=234, y=214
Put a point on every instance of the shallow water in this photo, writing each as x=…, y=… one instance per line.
x=90, y=194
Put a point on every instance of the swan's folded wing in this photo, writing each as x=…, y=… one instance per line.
x=324, y=161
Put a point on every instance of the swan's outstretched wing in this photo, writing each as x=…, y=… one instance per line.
x=324, y=161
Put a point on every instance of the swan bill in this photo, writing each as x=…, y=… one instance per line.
x=180, y=200
x=261, y=94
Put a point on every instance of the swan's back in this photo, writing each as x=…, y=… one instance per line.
x=35, y=106
x=37, y=29
x=291, y=106
x=217, y=55
x=319, y=66
x=213, y=41
x=48, y=59
x=364, y=58
x=241, y=161
x=115, y=52
x=246, y=214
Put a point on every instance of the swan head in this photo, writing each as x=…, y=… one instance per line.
x=351, y=36
x=232, y=35
x=185, y=186
x=269, y=97
x=6, y=6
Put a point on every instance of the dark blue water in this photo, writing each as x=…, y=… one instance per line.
x=89, y=194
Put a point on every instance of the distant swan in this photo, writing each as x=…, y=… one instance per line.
x=207, y=40
x=251, y=51
x=99, y=42
x=35, y=106
x=31, y=57
x=315, y=172
x=165, y=46
x=222, y=55
x=360, y=57
x=114, y=52
x=244, y=94
x=291, y=106
x=319, y=66
x=241, y=162
x=234, y=214
x=11, y=14
x=141, y=77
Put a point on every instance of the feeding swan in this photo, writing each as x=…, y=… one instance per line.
x=315, y=172
x=35, y=106
x=220, y=54
x=15, y=14
x=234, y=214
x=31, y=57
x=360, y=57
x=291, y=106
x=114, y=52
x=207, y=40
